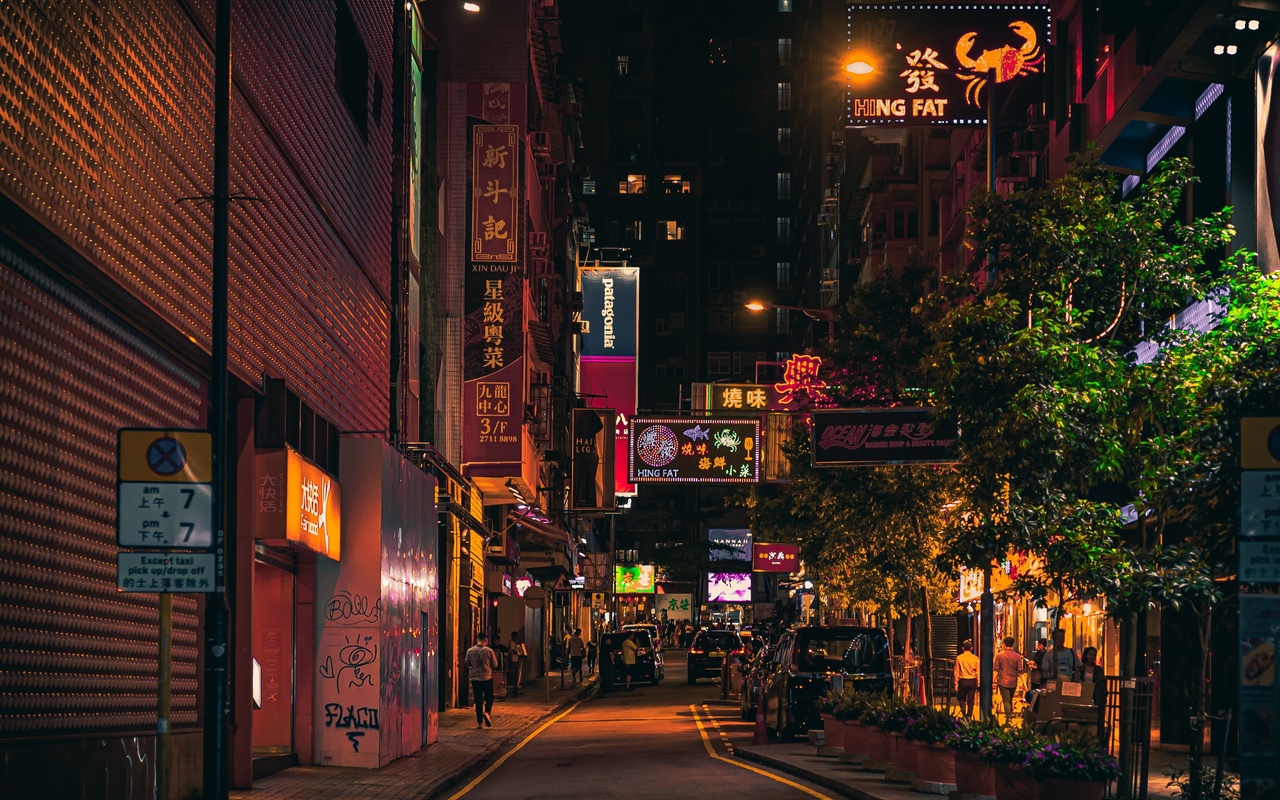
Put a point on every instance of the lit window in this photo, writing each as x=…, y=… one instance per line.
x=784, y=274
x=784, y=141
x=784, y=52
x=782, y=355
x=784, y=185
x=588, y=187
x=784, y=230
x=624, y=63
x=784, y=96
x=634, y=231
x=674, y=184
x=670, y=229
x=783, y=323
x=784, y=6
x=634, y=184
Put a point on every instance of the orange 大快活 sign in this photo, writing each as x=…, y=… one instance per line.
x=296, y=500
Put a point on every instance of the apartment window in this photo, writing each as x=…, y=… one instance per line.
x=784, y=230
x=351, y=68
x=661, y=370
x=782, y=320
x=715, y=276
x=660, y=325
x=720, y=319
x=784, y=274
x=718, y=363
x=781, y=356
x=784, y=6
x=634, y=231
x=677, y=368
x=784, y=52
x=904, y=222
x=784, y=95
x=784, y=141
x=588, y=187
x=674, y=184
x=675, y=321
x=737, y=363
x=670, y=229
x=624, y=64
x=784, y=185
x=634, y=184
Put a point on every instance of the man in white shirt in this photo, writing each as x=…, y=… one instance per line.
x=1059, y=662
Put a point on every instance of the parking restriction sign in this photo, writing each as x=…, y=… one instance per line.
x=164, y=490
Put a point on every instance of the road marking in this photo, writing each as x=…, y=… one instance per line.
x=513, y=751
x=706, y=742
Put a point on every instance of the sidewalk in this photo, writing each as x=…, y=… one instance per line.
x=461, y=748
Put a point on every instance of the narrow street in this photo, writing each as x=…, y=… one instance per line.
x=656, y=741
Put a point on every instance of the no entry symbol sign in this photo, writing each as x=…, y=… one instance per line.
x=166, y=456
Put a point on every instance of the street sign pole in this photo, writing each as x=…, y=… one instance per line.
x=216, y=774
x=164, y=677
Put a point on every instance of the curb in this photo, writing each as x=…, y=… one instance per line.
x=838, y=786
x=474, y=763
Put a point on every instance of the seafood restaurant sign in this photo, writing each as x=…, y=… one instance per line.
x=875, y=437
x=935, y=64
x=694, y=450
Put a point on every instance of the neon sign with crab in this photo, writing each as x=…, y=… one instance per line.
x=1006, y=62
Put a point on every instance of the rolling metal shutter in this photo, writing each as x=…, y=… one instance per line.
x=75, y=654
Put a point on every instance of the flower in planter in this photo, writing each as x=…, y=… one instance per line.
x=1012, y=746
x=930, y=725
x=972, y=737
x=1071, y=758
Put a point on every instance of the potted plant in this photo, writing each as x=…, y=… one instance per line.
x=902, y=754
x=1071, y=768
x=832, y=728
x=935, y=764
x=974, y=775
x=847, y=713
x=874, y=741
x=1007, y=751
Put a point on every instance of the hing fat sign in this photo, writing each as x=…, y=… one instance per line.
x=936, y=64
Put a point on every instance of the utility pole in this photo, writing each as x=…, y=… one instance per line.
x=987, y=606
x=216, y=610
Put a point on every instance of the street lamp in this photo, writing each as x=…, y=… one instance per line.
x=859, y=67
x=819, y=314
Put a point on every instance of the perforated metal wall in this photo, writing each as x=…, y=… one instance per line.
x=75, y=654
x=106, y=126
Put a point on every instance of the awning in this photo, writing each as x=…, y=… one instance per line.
x=544, y=529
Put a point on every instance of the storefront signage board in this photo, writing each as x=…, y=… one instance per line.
x=296, y=500
x=877, y=437
x=775, y=557
x=694, y=450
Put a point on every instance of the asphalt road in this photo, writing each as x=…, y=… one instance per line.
x=668, y=741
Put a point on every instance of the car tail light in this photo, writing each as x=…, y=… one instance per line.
x=696, y=652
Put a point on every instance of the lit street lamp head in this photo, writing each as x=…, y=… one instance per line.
x=859, y=68
x=756, y=305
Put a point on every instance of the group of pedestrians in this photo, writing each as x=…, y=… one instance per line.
x=1049, y=662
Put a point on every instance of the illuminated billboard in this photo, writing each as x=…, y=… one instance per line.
x=634, y=580
x=775, y=557
x=935, y=64
x=730, y=544
x=729, y=587
x=876, y=437
x=694, y=450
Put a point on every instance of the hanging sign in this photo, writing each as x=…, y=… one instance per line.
x=694, y=450
x=881, y=436
x=775, y=557
x=935, y=64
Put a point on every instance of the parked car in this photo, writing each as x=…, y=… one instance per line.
x=709, y=650
x=649, y=664
x=654, y=633
x=755, y=672
x=803, y=664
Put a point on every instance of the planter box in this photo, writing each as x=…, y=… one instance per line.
x=833, y=731
x=877, y=750
x=902, y=756
x=1012, y=783
x=975, y=778
x=854, y=742
x=935, y=769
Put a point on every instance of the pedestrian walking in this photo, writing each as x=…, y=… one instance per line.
x=628, y=660
x=577, y=650
x=481, y=662
x=967, y=666
x=593, y=652
x=517, y=653
x=1059, y=662
x=1009, y=666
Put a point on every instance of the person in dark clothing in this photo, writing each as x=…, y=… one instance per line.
x=593, y=650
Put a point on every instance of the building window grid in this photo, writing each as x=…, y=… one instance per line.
x=624, y=64
x=784, y=274
x=782, y=323
x=784, y=52
x=784, y=95
x=784, y=6
x=784, y=185
x=634, y=184
x=670, y=229
x=784, y=141
x=784, y=230
x=718, y=362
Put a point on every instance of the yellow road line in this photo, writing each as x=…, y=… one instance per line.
x=706, y=742
x=513, y=751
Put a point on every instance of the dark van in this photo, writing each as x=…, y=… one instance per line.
x=803, y=664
